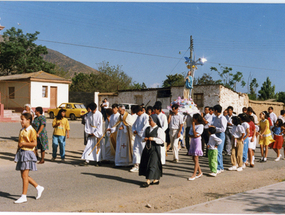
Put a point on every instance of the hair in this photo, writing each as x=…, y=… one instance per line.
x=137, y=108
x=249, y=109
x=59, y=116
x=236, y=120
x=244, y=108
x=115, y=105
x=206, y=107
x=279, y=122
x=175, y=106
x=199, y=118
x=212, y=130
x=251, y=118
x=93, y=106
x=244, y=117
x=218, y=108
x=211, y=108
x=39, y=109
x=157, y=107
x=282, y=112
x=230, y=108
x=149, y=108
x=159, y=103
x=271, y=108
x=109, y=111
x=28, y=116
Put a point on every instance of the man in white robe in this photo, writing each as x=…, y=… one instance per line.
x=138, y=129
x=124, y=146
x=93, y=129
x=164, y=125
x=110, y=147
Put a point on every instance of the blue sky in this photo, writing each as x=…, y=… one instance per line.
x=247, y=37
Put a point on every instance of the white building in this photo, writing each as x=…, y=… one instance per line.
x=38, y=89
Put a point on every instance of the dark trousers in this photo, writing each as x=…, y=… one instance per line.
x=205, y=140
x=187, y=138
x=228, y=142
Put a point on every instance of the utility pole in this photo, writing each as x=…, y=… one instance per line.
x=191, y=56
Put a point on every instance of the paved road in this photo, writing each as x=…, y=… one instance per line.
x=71, y=188
x=268, y=199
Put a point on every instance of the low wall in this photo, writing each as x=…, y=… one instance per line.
x=259, y=106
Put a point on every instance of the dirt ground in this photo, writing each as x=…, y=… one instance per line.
x=174, y=190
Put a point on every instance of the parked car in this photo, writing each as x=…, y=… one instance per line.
x=73, y=110
x=128, y=106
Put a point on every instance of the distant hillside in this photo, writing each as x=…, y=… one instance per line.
x=67, y=64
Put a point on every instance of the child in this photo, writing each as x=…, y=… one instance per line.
x=265, y=137
x=245, y=120
x=61, y=128
x=277, y=145
x=42, y=138
x=212, y=147
x=238, y=133
x=108, y=151
x=26, y=158
x=195, y=150
x=252, y=141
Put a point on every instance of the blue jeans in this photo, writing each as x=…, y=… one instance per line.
x=58, y=140
x=220, y=150
x=245, y=149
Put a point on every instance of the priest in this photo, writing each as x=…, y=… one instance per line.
x=93, y=129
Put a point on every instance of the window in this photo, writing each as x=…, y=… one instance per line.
x=68, y=106
x=44, y=91
x=199, y=99
x=11, y=92
x=163, y=93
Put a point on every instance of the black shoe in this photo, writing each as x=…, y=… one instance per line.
x=145, y=184
x=154, y=183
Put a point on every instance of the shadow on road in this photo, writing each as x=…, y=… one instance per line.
x=116, y=178
x=15, y=139
x=7, y=156
x=9, y=196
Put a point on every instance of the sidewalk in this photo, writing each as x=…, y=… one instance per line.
x=269, y=199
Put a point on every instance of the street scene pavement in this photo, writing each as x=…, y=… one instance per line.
x=72, y=188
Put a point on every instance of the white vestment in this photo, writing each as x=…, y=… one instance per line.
x=93, y=125
x=109, y=150
x=140, y=125
x=123, y=155
x=164, y=126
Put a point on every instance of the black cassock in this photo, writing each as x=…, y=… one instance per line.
x=150, y=165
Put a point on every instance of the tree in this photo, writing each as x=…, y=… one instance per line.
x=229, y=79
x=20, y=54
x=173, y=80
x=252, y=88
x=110, y=79
x=267, y=91
x=205, y=80
x=138, y=86
x=281, y=97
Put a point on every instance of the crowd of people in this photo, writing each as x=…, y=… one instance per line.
x=142, y=138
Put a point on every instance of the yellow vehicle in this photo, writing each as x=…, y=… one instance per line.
x=73, y=110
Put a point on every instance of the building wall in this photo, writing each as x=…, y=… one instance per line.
x=234, y=99
x=37, y=98
x=22, y=94
x=81, y=97
x=259, y=106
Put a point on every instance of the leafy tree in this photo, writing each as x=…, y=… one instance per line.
x=281, y=97
x=110, y=79
x=20, y=54
x=229, y=79
x=138, y=86
x=173, y=80
x=267, y=91
x=252, y=88
x=206, y=79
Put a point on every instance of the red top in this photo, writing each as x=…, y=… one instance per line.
x=251, y=128
x=270, y=122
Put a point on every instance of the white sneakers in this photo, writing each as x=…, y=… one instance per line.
x=244, y=166
x=40, y=189
x=278, y=158
x=239, y=169
x=135, y=169
x=22, y=199
x=220, y=171
x=233, y=168
x=213, y=174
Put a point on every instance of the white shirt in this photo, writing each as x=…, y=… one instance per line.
x=160, y=135
x=113, y=119
x=198, y=128
x=163, y=121
x=220, y=122
x=141, y=124
x=107, y=105
x=175, y=121
x=255, y=119
x=229, y=120
x=246, y=126
x=214, y=141
x=208, y=117
x=282, y=118
x=237, y=131
x=273, y=117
